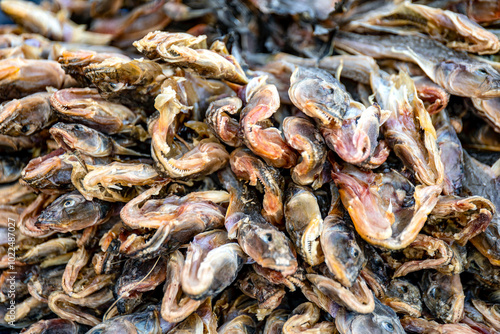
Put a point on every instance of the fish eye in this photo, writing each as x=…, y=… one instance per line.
x=268, y=237
x=432, y=292
x=482, y=71
x=388, y=326
x=68, y=203
x=115, y=86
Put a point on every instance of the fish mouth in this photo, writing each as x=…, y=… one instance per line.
x=490, y=90
x=287, y=266
x=43, y=222
x=62, y=136
x=58, y=106
x=325, y=117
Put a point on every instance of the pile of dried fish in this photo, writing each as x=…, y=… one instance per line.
x=250, y=166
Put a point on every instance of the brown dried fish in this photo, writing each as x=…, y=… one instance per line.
x=386, y=209
x=262, y=101
x=27, y=115
x=39, y=20
x=86, y=106
x=409, y=18
x=185, y=50
x=456, y=72
x=205, y=156
x=302, y=135
x=22, y=77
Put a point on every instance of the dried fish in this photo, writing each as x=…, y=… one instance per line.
x=382, y=320
x=386, y=209
x=22, y=77
x=259, y=239
x=343, y=256
x=409, y=130
x=443, y=295
x=456, y=72
x=132, y=82
x=38, y=20
x=27, y=115
x=304, y=223
x=205, y=156
x=266, y=178
x=262, y=101
x=212, y=263
x=87, y=141
x=86, y=106
x=189, y=51
x=302, y=136
x=408, y=18
x=305, y=319
x=71, y=211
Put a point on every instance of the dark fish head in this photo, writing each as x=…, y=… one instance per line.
x=405, y=295
x=475, y=79
x=343, y=255
x=267, y=245
x=72, y=212
x=383, y=320
x=78, y=137
x=443, y=295
x=140, y=322
x=318, y=94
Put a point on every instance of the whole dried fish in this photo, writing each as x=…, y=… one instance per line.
x=302, y=136
x=408, y=129
x=343, y=256
x=74, y=62
x=85, y=140
x=259, y=239
x=131, y=82
x=267, y=179
x=86, y=106
x=387, y=210
x=114, y=182
x=408, y=18
x=304, y=223
x=456, y=72
x=212, y=263
x=225, y=127
x=189, y=51
x=318, y=94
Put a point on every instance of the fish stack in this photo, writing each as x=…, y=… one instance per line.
x=250, y=166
